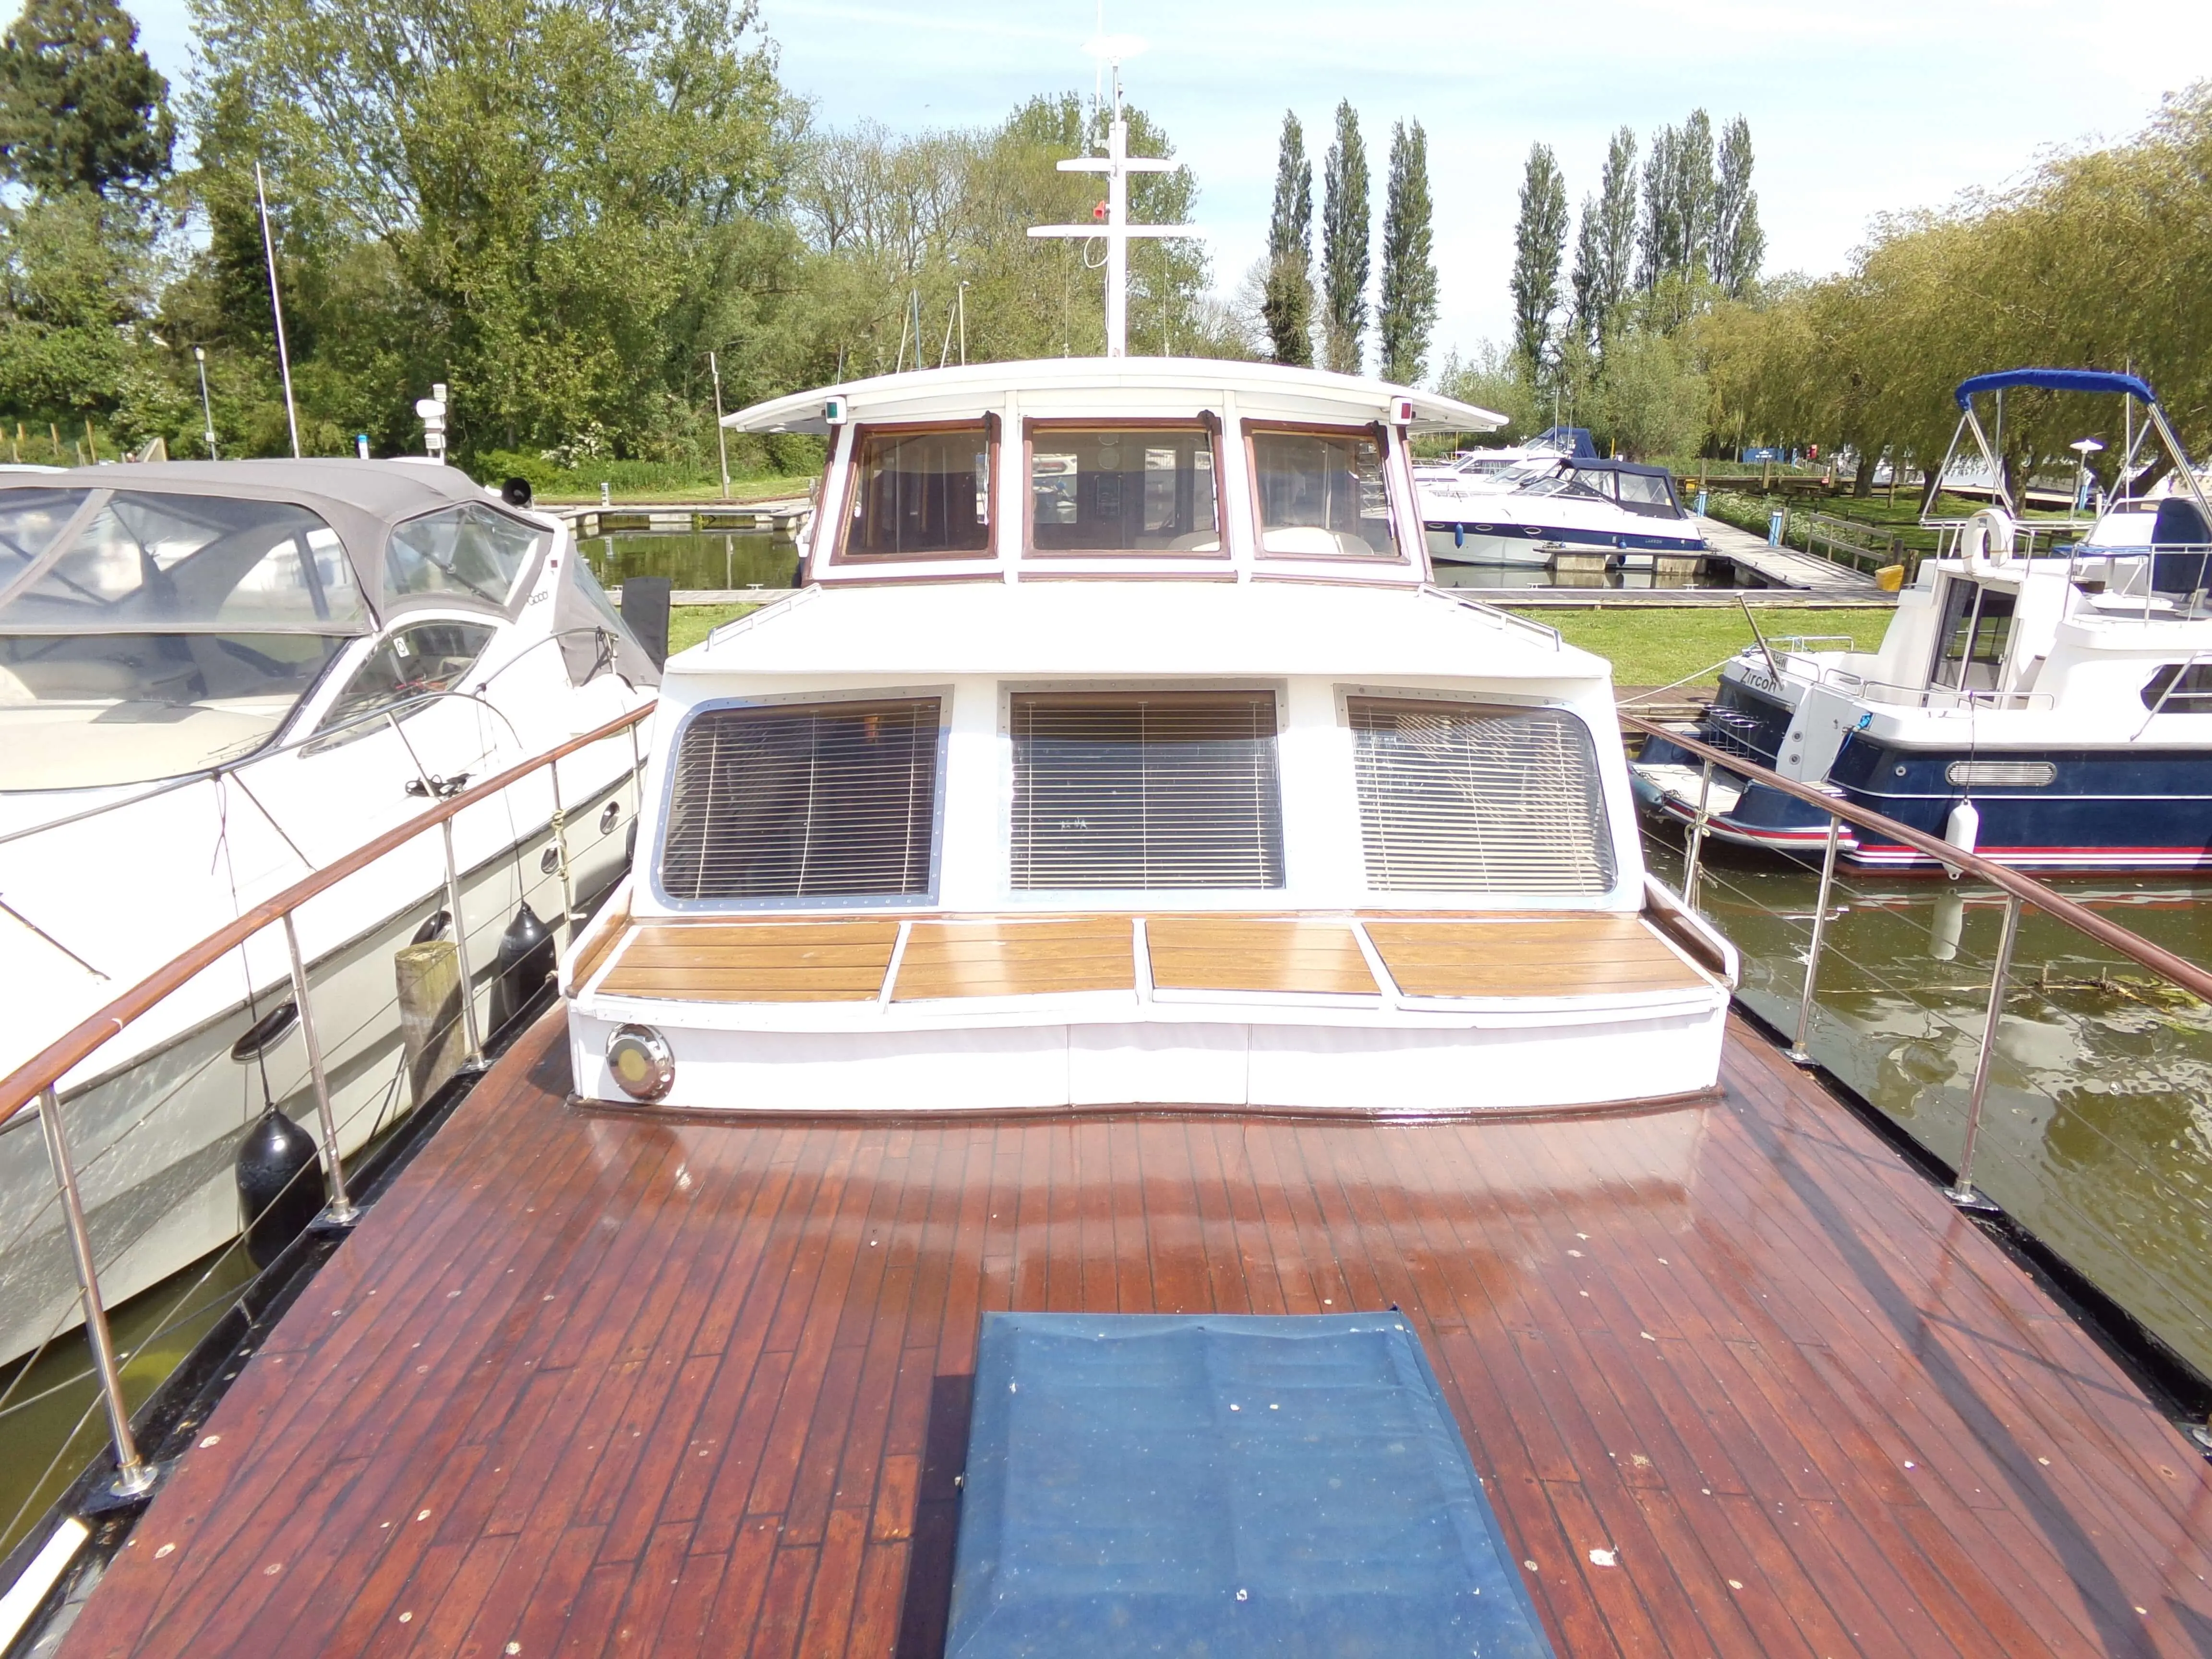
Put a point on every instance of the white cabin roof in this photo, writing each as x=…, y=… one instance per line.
x=1102, y=385
x=1073, y=629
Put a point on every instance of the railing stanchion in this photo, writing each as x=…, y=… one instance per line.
x=1798, y=1052
x=561, y=851
x=1962, y=1192
x=461, y=946
x=132, y=1474
x=341, y=1210
x=1694, y=867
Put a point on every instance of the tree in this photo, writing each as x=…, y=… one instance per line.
x=1408, y=312
x=1692, y=184
x=1345, y=234
x=1288, y=307
x=1539, y=239
x=81, y=108
x=1738, y=244
x=1605, y=244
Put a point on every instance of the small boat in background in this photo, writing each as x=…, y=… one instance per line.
x=1621, y=511
x=2051, y=709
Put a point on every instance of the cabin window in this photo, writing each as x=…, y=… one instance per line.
x=1320, y=494
x=1471, y=797
x=1146, y=791
x=1123, y=489
x=1646, y=495
x=149, y=562
x=2181, y=689
x=468, y=552
x=920, y=494
x=414, y=665
x=29, y=521
x=832, y=800
x=1976, y=631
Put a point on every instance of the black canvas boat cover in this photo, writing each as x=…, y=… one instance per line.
x=1219, y=1484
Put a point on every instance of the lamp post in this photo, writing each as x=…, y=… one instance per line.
x=2083, y=448
x=207, y=409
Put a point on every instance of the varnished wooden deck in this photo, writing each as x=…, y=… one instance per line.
x=596, y=1385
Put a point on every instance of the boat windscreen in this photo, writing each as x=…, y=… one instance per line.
x=29, y=521
x=81, y=711
x=148, y=563
x=1647, y=495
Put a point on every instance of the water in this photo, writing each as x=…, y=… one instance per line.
x=694, y=561
x=1709, y=573
x=51, y=1421
x=2097, y=1126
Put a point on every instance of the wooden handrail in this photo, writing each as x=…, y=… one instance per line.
x=47, y=1068
x=2179, y=969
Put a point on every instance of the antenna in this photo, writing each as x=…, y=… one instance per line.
x=276, y=305
x=1117, y=164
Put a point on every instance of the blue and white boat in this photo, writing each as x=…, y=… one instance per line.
x=2048, y=707
x=1575, y=504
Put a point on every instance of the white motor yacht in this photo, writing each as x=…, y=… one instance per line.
x=215, y=678
x=1118, y=750
x=2049, y=707
x=1618, y=510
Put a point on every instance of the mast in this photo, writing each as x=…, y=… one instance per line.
x=1117, y=164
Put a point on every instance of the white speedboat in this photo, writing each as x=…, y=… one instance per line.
x=215, y=678
x=2051, y=709
x=1618, y=510
x=1118, y=750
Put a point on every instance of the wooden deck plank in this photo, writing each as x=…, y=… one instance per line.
x=734, y=1425
x=1589, y=957
x=1233, y=953
x=1006, y=957
x=754, y=962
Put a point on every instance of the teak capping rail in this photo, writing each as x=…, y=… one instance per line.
x=46, y=1069
x=2025, y=889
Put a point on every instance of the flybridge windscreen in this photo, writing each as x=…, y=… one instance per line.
x=1224, y=1484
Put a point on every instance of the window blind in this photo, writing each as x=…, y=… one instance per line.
x=822, y=800
x=1142, y=791
x=1474, y=799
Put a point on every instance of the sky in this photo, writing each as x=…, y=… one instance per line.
x=1855, y=110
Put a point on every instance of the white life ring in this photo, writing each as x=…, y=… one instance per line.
x=1985, y=541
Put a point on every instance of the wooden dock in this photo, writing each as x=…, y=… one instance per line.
x=1739, y=1381
x=780, y=518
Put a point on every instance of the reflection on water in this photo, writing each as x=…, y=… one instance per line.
x=694, y=561
x=1711, y=573
x=51, y=1424
x=2097, y=1128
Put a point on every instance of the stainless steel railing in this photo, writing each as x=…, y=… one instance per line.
x=35, y=1086
x=2020, y=892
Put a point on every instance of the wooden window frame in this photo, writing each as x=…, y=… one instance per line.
x=1204, y=421
x=843, y=557
x=1380, y=432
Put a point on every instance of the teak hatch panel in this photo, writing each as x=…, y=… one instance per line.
x=1004, y=957
x=1579, y=956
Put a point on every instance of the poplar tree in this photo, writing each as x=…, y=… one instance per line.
x=1540, y=242
x=1605, y=244
x=1739, y=244
x=1692, y=186
x=1408, y=311
x=1288, y=305
x=1344, y=235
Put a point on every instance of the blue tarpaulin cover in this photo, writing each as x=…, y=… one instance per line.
x=2057, y=379
x=1223, y=1484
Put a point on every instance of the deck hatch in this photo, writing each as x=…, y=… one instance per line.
x=1145, y=793
x=1224, y=1484
x=1469, y=797
x=820, y=800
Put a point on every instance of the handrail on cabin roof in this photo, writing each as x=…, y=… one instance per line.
x=46, y=1068
x=2196, y=981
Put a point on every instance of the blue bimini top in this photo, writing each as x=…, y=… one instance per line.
x=2057, y=379
x=1228, y=1485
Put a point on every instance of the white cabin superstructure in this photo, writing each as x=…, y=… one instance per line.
x=1118, y=751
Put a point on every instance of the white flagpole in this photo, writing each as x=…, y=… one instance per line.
x=276, y=305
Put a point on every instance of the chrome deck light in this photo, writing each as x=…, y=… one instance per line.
x=641, y=1063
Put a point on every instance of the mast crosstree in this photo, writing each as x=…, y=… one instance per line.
x=1117, y=164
